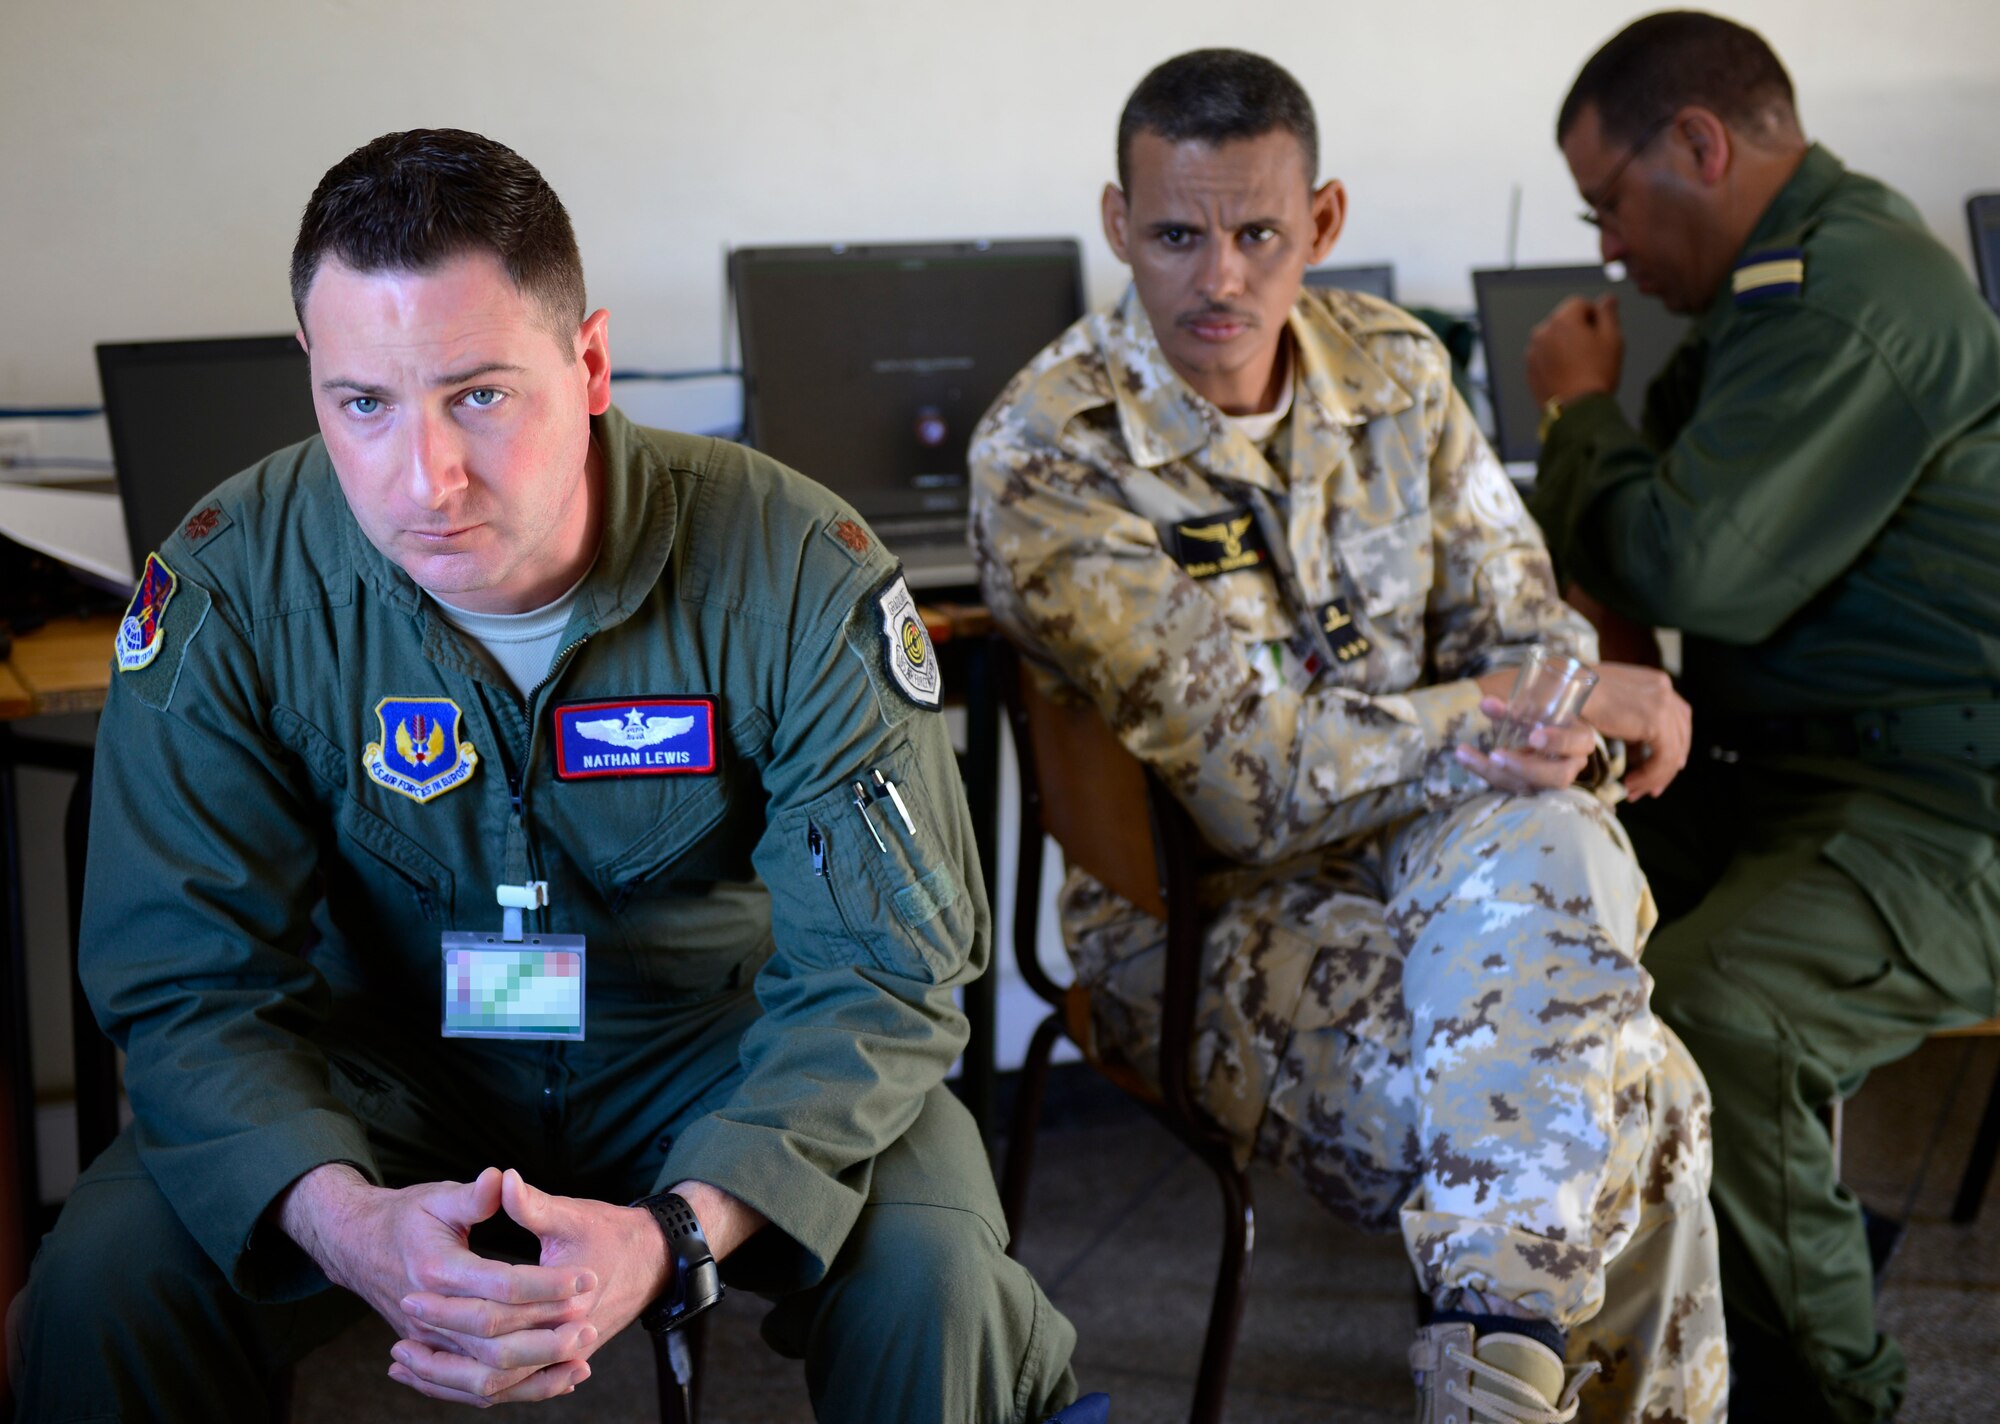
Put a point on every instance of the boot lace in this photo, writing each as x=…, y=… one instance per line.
x=1506, y=1409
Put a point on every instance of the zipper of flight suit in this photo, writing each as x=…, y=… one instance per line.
x=516, y=789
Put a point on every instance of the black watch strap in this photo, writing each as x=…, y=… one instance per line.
x=696, y=1284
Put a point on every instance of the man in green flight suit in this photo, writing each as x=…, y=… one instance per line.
x=1814, y=500
x=485, y=640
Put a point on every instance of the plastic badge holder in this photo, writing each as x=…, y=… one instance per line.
x=497, y=989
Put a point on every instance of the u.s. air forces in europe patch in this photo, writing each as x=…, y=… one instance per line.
x=907, y=654
x=420, y=755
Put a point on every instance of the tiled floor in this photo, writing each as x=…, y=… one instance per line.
x=1123, y=1233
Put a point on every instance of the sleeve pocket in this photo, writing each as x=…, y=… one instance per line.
x=901, y=909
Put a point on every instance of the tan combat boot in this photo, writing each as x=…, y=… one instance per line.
x=1502, y=1379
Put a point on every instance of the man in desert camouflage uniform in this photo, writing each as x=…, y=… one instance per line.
x=1256, y=528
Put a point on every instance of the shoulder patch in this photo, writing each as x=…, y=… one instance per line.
x=852, y=537
x=1773, y=272
x=907, y=655
x=152, y=640
x=143, y=631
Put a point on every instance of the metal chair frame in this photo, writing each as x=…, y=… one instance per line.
x=1117, y=779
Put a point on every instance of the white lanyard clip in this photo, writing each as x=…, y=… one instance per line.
x=516, y=898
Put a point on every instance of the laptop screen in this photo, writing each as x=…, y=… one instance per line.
x=866, y=367
x=186, y=415
x=1377, y=280
x=1514, y=300
x=1983, y=212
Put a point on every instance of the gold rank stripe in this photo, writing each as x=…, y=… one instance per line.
x=1789, y=271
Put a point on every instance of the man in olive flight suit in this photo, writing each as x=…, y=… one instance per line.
x=485, y=643
x=1257, y=528
x=1814, y=501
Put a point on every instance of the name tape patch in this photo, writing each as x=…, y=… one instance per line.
x=635, y=736
x=1218, y=543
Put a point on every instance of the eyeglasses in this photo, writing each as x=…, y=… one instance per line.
x=1605, y=206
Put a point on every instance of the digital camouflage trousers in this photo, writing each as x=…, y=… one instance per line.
x=1445, y=1026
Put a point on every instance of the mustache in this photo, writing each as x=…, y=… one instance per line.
x=1215, y=310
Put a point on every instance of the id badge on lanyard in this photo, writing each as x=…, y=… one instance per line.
x=513, y=984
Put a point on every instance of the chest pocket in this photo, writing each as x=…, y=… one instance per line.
x=1389, y=569
x=1224, y=554
x=389, y=866
x=1390, y=565
x=683, y=895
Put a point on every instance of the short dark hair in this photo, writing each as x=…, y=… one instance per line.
x=410, y=201
x=1658, y=65
x=1215, y=95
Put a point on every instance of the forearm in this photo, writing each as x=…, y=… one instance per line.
x=317, y=1210
x=725, y=1220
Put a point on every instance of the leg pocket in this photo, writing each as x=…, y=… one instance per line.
x=1940, y=896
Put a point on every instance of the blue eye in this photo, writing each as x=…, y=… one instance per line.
x=363, y=405
x=485, y=398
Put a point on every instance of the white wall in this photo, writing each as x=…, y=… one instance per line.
x=154, y=158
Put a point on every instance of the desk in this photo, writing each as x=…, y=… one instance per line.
x=63, y=666
x=963, y=633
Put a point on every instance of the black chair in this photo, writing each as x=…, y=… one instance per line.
x=1113, y=818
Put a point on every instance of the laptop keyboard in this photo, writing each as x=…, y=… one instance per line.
x=945, y=529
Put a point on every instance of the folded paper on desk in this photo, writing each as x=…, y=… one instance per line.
x=85, y=530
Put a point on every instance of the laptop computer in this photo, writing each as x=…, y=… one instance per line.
x=866, y=366
x=186, y=415
x=1376, y=279
x=1982, y=211
x=1514, y=300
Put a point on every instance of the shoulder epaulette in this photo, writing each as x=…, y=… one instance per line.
x=1773, y=272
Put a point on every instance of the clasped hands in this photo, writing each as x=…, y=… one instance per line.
x=474, y=1330
x=1637, y=705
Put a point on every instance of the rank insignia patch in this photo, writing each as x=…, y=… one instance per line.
x=907, y=654
x=140, y=635
x=204, y=522
x=1219, y=543
x=851, y=537
x=1774, y=272
x=635, y=736
x=1348, y=642
x=420, y=755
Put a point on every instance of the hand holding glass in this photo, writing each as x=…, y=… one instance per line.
x=1549, y=691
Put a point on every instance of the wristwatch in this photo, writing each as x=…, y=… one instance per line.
x=696, y=1284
